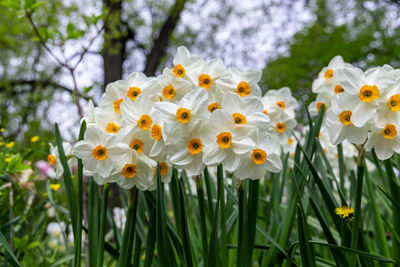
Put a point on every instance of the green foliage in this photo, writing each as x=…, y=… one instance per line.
x=367, y=40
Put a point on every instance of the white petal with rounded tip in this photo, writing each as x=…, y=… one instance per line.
x=182, y=157
x=83, y=149
x=351, y=79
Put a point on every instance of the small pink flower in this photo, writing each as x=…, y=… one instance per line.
x=45, y=168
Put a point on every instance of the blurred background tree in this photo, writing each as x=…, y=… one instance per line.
x=57, y=54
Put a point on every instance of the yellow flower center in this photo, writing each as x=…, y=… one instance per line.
x=205, y=81
x=34, y=139
x=280, y=127
x=239, y=118
x=112, y=128
x=281, y=104
x=169, y=91
x=99, y=152
x=117, y=104
x=344, y=210
x=51, y=159
x=339, y=89
x=213, y=106
x=183, y=115
x=156, y=132
x=243, y=89
x=137, y=145
x=179, y=70
x=259, y=156
x=345, y=117
x=133, y=93
x=145, y=122
x=129, y=170
x=319, y=106
x=368, y=93
x=54, y=187
x=290, y=141
x=266, y=112
x=328, y=74
x=163, y=168
x=389, y=132
x=394, y=102
x=224, y=139
x=194, y=146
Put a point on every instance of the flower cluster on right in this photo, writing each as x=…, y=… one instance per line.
x=362, y=107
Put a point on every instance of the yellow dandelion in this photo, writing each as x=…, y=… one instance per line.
x=10, y=144
x=345, y=211
x=55, y=187
x=7, y=159
x=2, y=130
x=34, y=139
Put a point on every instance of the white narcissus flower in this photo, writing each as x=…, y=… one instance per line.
x=137, y=114
x=246, y=110
x=339, y=121
x=241, y=82
x=171, y=87
x=54, y=159
x=224, y=142
x=385, y=140
x=99, y=151
x=185, y=63
x=188, y=152
x=279, y=101
x=119, y=215
x=208, y=74
x=258, y=160
x=281, y=128
x=89, y=113
x=362, y=90
x=108, y=120
x=389, y=106
x=328, y=79
x=135, y=170
x=180, y=118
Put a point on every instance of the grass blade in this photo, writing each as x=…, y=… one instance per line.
x=129, y=229
x=184, y=224
x=306, y=251
x=93, y=224
x=202, y=214
x=78, y=233
x=4, y=243
x=100, y=250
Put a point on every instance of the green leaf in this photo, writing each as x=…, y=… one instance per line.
x=4, y=243
x=306, y=251
x=12, y=4
x=73, y=32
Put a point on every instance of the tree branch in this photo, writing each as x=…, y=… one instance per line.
x=161, y=42
x=42, y=83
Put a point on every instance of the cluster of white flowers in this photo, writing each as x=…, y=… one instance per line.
x=362, y=107
x=194, y=115
x=55, y=230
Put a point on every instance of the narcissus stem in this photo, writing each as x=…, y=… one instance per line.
x=357, y=203
x=129, y=230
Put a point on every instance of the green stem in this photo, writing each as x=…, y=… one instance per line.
x=380, y=233
x=93, y=224
x=357, y=204
x=203, y=229
x=127, y=239
x=104, y=203
x=242, y=233
x=395, y=194
x=78, y=234
x=224, y=242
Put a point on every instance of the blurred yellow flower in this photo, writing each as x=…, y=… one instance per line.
x=55, y=187
x=35, y=139
x=1, y=143
x=7, y=159
x=344, y=210
x=1, y=130
x=10, y=144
